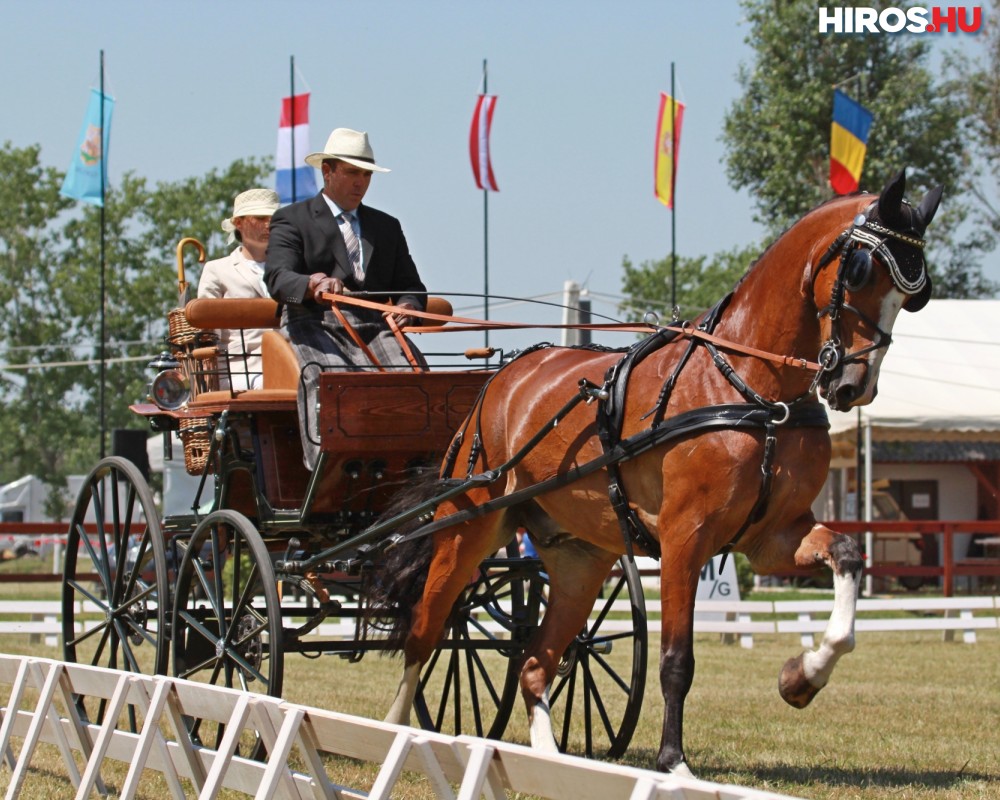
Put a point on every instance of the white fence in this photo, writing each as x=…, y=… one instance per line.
x=41, y=708
x=734, y=620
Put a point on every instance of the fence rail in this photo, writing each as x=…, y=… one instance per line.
x=477, y=767
x=733, y=620
x=948, y=570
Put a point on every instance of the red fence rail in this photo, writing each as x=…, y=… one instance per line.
x=948, y=570
x=950, y=567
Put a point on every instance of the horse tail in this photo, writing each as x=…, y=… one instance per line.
x=397, y=582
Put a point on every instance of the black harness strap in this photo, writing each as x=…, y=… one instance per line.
x=735, y=416
x=610, y=420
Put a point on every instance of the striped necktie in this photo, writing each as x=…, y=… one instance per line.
x=353, y=245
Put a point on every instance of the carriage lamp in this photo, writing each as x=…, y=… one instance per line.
x=164, y=361
x=170, y=389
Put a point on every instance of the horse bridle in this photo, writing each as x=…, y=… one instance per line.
x=858, y=246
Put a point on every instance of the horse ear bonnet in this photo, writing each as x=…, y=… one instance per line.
x=920, y=218
x=899, y=216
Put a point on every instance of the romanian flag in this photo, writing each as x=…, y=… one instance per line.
x=848, y=142
x=293, y=134
x=479, y=142
x=87, y=175
x=668, y=143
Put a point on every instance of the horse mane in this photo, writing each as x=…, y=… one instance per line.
x=777, y=238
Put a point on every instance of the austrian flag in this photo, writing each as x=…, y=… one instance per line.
x=294, y=178
x=479, y=142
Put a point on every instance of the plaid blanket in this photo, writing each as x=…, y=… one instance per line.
x=322, y=344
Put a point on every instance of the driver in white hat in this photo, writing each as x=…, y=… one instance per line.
x=240, y=274
x=332, y=243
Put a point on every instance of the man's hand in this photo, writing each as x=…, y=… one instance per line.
x=320, y=283
x=402, y=318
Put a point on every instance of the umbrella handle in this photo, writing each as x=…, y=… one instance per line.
x=182, y=284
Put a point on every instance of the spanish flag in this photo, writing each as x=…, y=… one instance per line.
x=668, y=143
x=848, y=142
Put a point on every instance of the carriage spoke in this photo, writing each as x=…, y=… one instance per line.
x=446, y=690
x=570, y=685
x=592, y=691
x=610, y=671
x=133, y=664
x=477, y=715
x=608, y=603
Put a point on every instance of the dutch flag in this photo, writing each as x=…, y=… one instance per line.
x=294, y=128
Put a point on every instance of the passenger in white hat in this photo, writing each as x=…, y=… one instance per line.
x=240, y=274
x=332, y=243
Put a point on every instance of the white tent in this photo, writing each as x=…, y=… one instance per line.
x=941, y=373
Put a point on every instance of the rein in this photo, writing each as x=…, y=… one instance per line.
x=472, y=324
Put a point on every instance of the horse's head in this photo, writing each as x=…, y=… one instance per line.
x=873, y=268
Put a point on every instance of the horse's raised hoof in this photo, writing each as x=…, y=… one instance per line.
x=794, y=686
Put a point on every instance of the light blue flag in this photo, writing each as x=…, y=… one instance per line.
x=83, y=178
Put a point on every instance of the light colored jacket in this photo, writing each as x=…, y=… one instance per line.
x=236, y=276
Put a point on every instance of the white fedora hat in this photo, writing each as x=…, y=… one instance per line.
x=251, y=203
x=350, y=146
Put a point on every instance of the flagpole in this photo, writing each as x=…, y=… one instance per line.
x=103, y=163
x=486, y=251
x=292, y=113
x=673, y=197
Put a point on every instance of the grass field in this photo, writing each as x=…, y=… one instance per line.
x=905, y=716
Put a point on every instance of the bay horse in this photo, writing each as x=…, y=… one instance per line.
x=711, y=441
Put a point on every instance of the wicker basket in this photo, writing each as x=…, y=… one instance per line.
x=180, y=332
x=201, y=365
x=196, y=350
x=196, y=434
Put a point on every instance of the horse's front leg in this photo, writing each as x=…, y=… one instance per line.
x=678, y=589
x=803, y=676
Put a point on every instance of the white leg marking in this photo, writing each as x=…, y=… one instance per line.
x=399, y=712
x=682, y=771
x=540, y=727
x=838, y=639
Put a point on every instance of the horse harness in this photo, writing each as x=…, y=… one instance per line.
x=856, y=246
x=804, y=411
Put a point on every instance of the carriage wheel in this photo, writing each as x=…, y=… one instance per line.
x=227, y=627
x=470, y=684
x=602, y=676
x=119, y=621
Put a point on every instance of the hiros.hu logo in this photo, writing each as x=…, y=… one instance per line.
x=919, y=19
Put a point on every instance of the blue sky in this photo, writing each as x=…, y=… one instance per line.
x=198, y=84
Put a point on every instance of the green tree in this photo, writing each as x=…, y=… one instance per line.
x=50, y=310
x=978, y=82
x=778, y=131
x=36, y=423
x=701, y=282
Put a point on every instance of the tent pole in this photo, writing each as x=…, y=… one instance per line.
x=869, y=536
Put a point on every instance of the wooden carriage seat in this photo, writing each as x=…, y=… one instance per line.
x=279, y=364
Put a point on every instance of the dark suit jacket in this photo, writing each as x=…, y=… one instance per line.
x=305, y=238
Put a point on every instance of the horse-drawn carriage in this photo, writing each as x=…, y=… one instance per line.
x=272, y=559
x=702, y=438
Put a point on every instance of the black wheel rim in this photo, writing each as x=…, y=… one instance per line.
x=469, y=686
x=227, y=627
x=602, y=676
x=119, y=622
